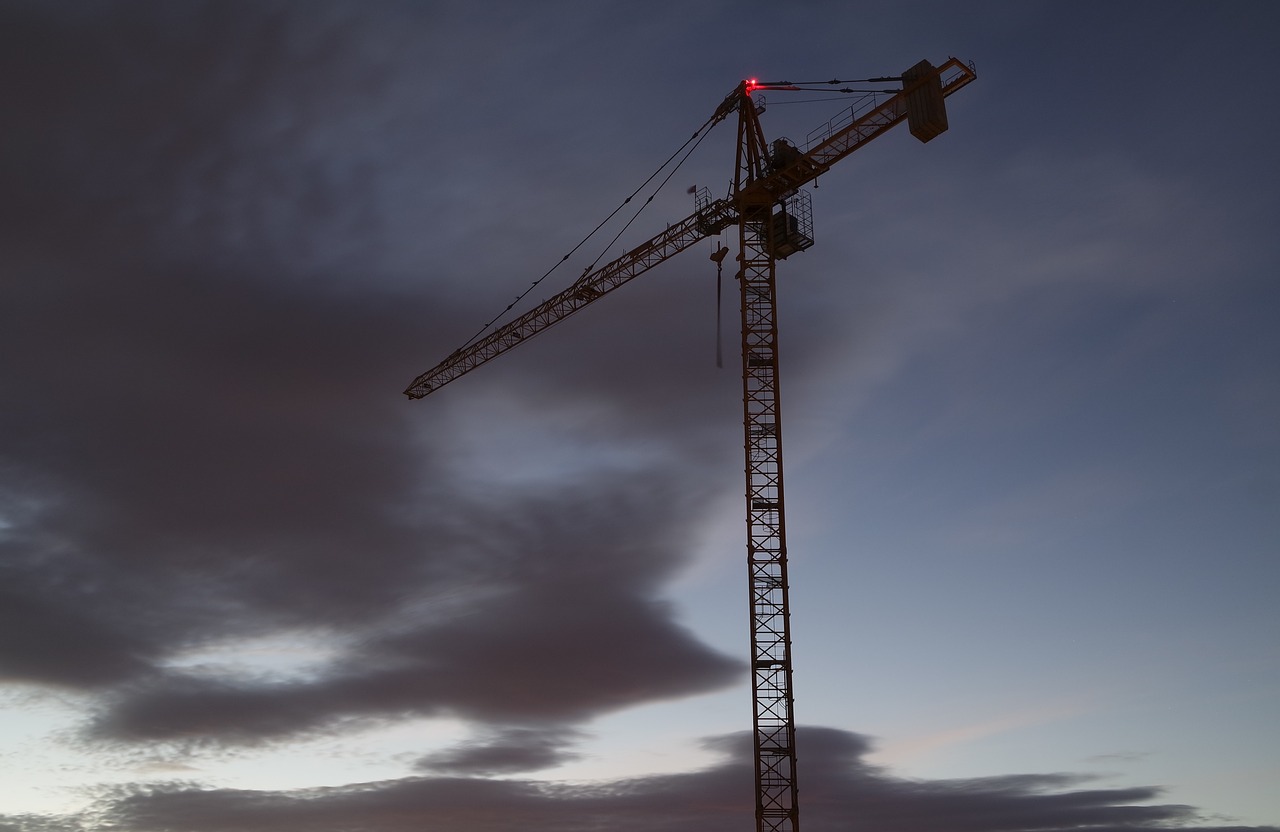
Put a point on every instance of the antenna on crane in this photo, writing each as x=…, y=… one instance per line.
x=771, y=210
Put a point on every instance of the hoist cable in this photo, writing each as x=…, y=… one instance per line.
x=773, y=102
x=831, y=83
x=719, y=304
x=701, y=131
x=845, y=90
x=656, y=191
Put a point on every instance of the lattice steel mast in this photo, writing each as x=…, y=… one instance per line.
x=773, y=716
x=771, y=214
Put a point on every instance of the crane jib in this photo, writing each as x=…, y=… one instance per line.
x=801, y=169
x=590, y=287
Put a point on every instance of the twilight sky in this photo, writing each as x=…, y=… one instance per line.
x=1030, y=372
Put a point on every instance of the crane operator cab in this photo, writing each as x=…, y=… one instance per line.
x=791, y=226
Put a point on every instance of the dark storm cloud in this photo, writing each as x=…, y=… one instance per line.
x=203, y=437
x=842, y=792
x=45, y=636
x=505, y=752
x=557, y=625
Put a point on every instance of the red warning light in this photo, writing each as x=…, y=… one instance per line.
x=751, y=85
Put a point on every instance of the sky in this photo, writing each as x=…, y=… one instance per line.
x=1030, y=376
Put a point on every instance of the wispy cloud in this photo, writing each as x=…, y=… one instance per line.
x=912, y=749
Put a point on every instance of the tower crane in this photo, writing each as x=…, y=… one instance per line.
x=772, y=216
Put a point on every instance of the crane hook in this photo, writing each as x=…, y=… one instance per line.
x=718, y=256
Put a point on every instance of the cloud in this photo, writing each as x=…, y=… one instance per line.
x=204, y=440
x=43, y=636
x=230, y=236
x=841, y=792
x=555, y=620
x=1120, y=757
x=922, y=746
x=505, y=752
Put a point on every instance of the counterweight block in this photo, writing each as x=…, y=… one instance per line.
x=926, y=110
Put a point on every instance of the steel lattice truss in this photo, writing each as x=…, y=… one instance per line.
x=776, y=805
x=712, y=219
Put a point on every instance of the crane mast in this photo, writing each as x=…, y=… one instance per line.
x=773, y=716
x=767, y=180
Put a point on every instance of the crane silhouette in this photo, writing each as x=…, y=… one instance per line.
x=772, y=213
